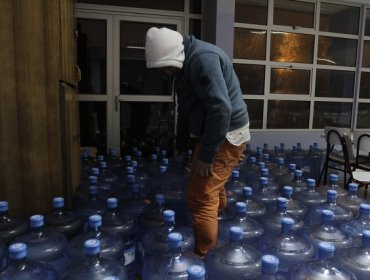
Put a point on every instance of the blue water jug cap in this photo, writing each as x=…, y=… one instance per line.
x=139, y=153
x=292, y=166
x=93, y=179
x=288, y=190
x=258, y=149
x=174, y=239
x=133, y=163
x=93, y=189
x=4, y=206
x=352, y=187
x=331, y=194
x=282, y=202
x=111, y=278
x=270, y=264
x=236, y=233
x=159, y=198
x=17, y=251
x=58, y=202
x=163, y=152
x=85, y=153
x=153, y=156
x=112, y=151
x=261, y=164
x=298, y=172
x=168, y=216
x=131, y=178
x=264, y=172
x=327, y=215
x=286, y=225
x=162, y=168
x=366, y=238
x=36, y=221
x=252, y=159
x=266, y=156
x=280, y=160
x=95, y=221
x=103, y=164
x=165, y=161
x=92, y=247
x=326, y=250
x=311, y=182
x=100, y=157
x=263, y=181
x=365, y=208
x=241, y=207
x=127, y=158
x=95, y=171
x=196, y=272
x=112, y=202
x=247, y=191
x=333, y=177
x=129, y=169
x=235, y=173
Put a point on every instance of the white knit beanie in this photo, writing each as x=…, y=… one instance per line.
x=164, y=47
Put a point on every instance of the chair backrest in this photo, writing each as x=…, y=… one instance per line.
x=332, y=138
x=346, y=143
x=361, y=140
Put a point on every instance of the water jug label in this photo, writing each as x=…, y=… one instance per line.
x=130, y=255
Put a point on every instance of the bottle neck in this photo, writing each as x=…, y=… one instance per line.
x=170, y=225
x=175, y=251
x=58, y=211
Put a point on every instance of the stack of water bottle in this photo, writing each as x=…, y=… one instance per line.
x=130, y=221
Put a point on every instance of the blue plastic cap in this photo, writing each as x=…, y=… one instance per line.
x=93, y=180
x=139, y=153
x=235, y=173
x=174, y=239
x=112, y=202
x=270, y=264
x=333, y=177
x=298, y=172
x=165, y=161
x=100, y=157
x=93, y=189
x=58, y=202
x=95, y=171
x=168, y=216
x=292, y=166
x=236, y=233
x=153, y=156
x=352, y=187
x=331, y=194
x=95, y=221
x=247, y=191
x=163, y=152
x=366, y=238
x=196, y=272
x=261, y=164
x=327, y=215
x=365, y=208
x=266, y=156
x=282, y=202
x=263, y=181
x=264, y=172
x=326, y=250
x=286, y=224
x=111, y=278
x=288, y=190
x=311, y=182
x=17, y=251
x=252, y=159
x=36, y=221
x=129, y=169
x=131, y=178
x=103, y=164
x=240, y=207
x=159, y=198
x=162, y=168
x=127, y=158
x=133, y=163
x=4, y=206
x=92, y=247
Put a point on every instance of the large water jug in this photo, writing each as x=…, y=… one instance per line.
x=272, y=222
x=2, y=255
x=266, y=196
x=252, y=230
x=356, y=227
x=233, y=260
x=20, y=268
x=321, y=268
x=111, y=244
x=10, y=227
x=310, y=196
x=126, y=228
x=271, y=183
x=294, y=207
x=270, y=269
x=63, y=221
x=172, y=264
x=138, y=170
x=351, y=201
x=152, y=167
x=125, y=185
x=95, y=267
x=106, y=174
x=96, y=179
x=287, y=246
x=196, y=272
x=86, y=164
x=357, y=260
x=234, y=184
x=340, y=214
x=313, y=161
x=254, y=208
x=333, y=184
x=155, y=241
x=249, y=171
x=152, y=217
x=287, y=179
x=114, y=161
x=46, y=245
x=299, y=182
x=297, y=156
x=327, y=232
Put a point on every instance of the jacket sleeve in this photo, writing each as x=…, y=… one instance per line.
x=209, y=84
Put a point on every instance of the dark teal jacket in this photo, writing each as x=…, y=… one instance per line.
x=210, y=101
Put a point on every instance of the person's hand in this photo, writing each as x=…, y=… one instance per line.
x=203, y=169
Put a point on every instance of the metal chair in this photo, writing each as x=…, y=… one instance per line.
x=361, y=141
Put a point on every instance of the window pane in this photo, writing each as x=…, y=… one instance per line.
x=146, y=125
x=251, y=11
x=337, y=51
x=290, y=81
x=249, y=43
x=366, y=54
x=251, y=78
x=367, y=27
x=92, y=55
x=288, y=114
x=195, y=6
x=195, y=28
x=339, y=18
x=93, y=125
x=290, y=47
x=363, y=115
x=293, y=13
x=332, y=114
x=365, y=85
x=173, y=5
x=135, y=78
x=333, y=83
x=255, y=111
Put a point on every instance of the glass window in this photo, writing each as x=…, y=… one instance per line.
x=249, y=44
x=195, y=6
x=332, y=114
x=363, y=115
x=294, y=13
x=135, y=78
x=288, y=114
x=251, y=11
x=93, y=125
x=366, y=54
x=146, y=125
x=290, y=81
x=92, y=55
x=255, y=112
x=251, y=78
x=195, y=28
x=367, y=26
x=339, y=18
x=333, y=83
x=365, y=85
x=337, y=51
x=173, y=5
x=291, y=47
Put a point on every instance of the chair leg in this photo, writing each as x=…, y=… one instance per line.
x=326, y=167
x=321, y=173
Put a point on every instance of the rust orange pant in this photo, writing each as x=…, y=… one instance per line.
x=206, y=195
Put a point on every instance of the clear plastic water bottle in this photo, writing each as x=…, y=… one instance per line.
x=63, y=221
x=356, y=227
x=310, y=196
x=46, y=245
x=196, y=272
x=272, y=222
x=95, y=267
x=299, y=183
x=340, y=214
x=356, y=260
x=234, y=184
x=321, y=268
x=21, y=268
x=351, y=201
x=270, y=269
x=233, y=260
x=152, y=217
x=10, y=227
x=327, y=232
x=294, y=207
x=106, y=174
x=254, y=208
x=266, y=196
x=252, y=230
x=287, y=246
x=2, y=255
x=172, y=264
x=333, y=184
